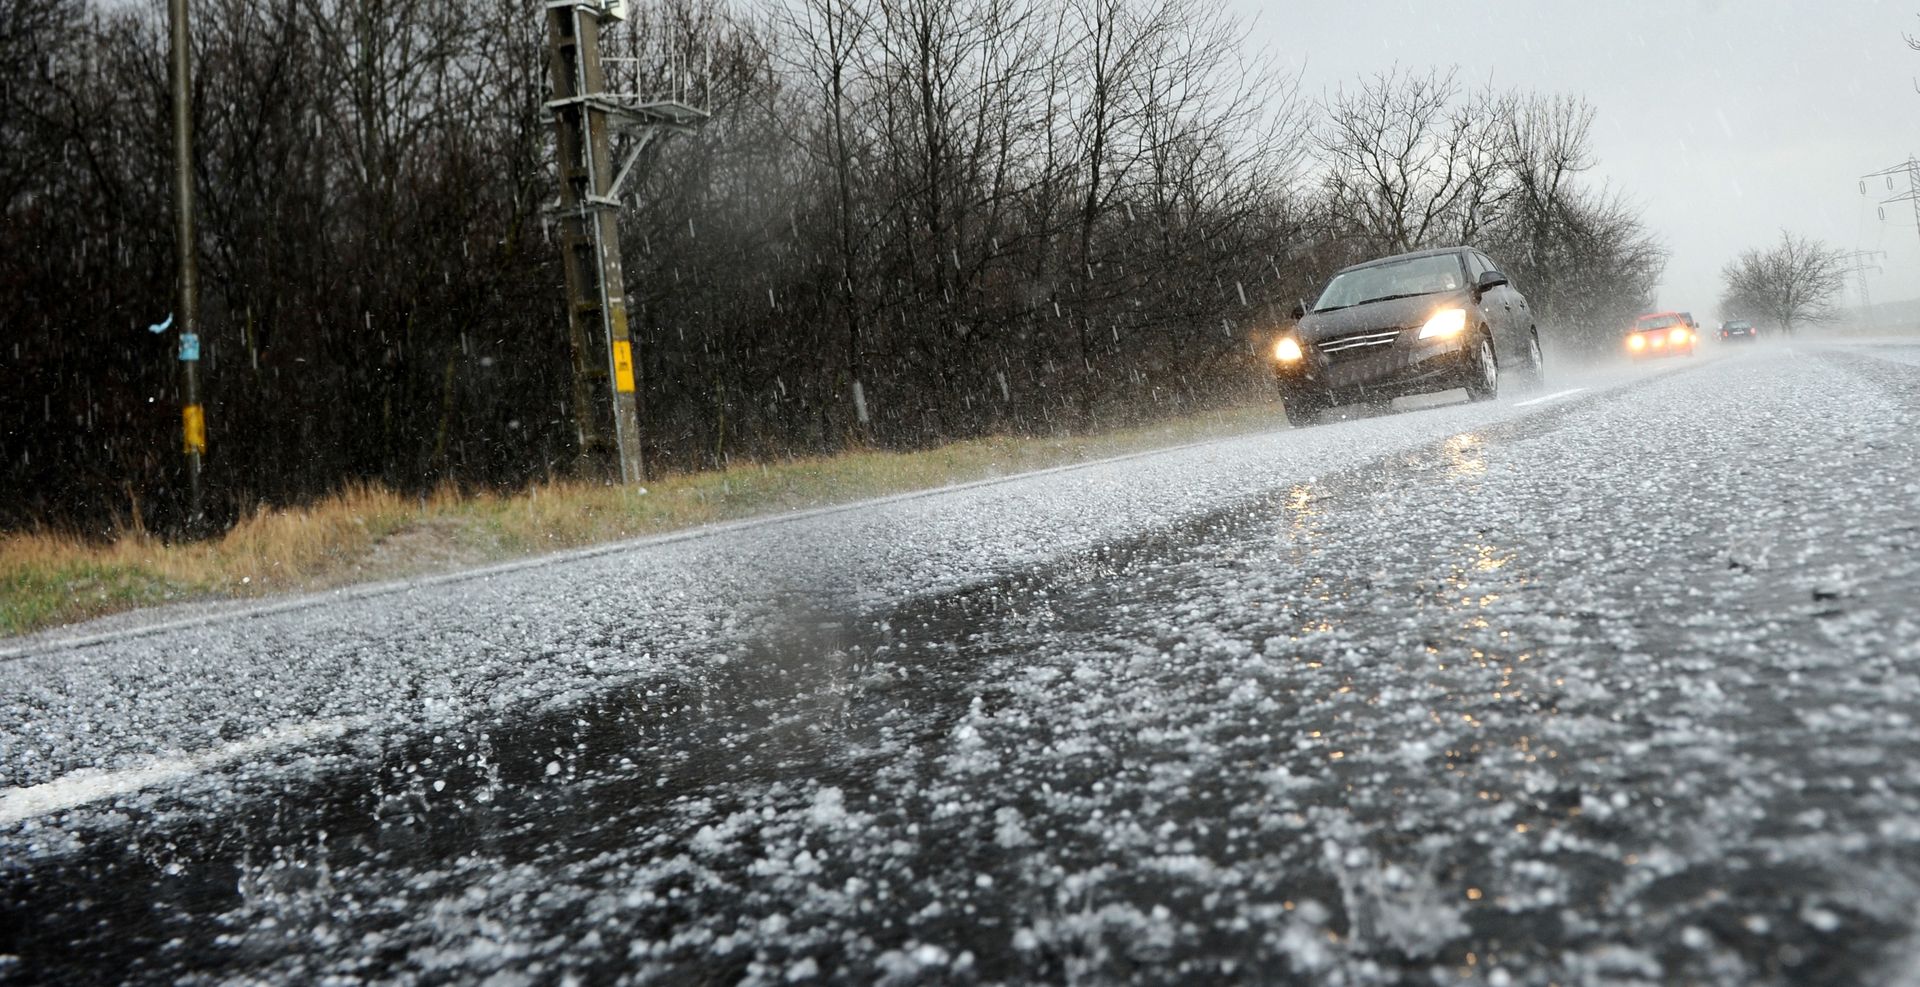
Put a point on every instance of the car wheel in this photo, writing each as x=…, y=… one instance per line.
x=1533, y=373
x=1483, y=371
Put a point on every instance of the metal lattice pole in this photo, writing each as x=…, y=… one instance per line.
x=1909, y=168
x=585, y=116
x=1861, y=262
x=603, y=372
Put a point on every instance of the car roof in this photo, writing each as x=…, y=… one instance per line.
x=1410, y=255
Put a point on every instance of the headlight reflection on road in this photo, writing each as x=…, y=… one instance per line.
x=1302, y=532
x=1301, y=508
x=1490, y=559
x=1465, y=456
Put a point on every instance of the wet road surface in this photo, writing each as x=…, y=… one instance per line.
x=1617, y=687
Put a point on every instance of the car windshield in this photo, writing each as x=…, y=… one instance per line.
x=1394, y=279
x=1657, y=322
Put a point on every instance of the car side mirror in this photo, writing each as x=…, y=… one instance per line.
x=1489, y=280
x=1299, y=311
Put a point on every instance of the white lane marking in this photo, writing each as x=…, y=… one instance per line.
x=92, y=785
x=1543, y=399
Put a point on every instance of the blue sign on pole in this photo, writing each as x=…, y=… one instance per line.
x=189, y=346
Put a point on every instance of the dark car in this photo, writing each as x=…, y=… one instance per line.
x=1739, y=330
x=1407, y=324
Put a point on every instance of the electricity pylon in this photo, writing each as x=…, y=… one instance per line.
x=1860, y=262
x=1909, y=168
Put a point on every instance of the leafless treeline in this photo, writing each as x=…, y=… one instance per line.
x=993, y=214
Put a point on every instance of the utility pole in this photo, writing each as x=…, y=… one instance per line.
x=585, y=116
x=193, y=420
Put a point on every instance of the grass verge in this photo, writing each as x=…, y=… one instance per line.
x=367, y=533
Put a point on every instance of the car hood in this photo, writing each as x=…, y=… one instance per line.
x=1398, y=313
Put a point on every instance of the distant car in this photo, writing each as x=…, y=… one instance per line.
x=1739, y=330
x=1661, y=334
x=1411, y=323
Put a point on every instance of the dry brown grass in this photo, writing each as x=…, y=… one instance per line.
x=366, y=532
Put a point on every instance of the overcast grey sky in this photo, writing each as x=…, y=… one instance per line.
x=1726, y=119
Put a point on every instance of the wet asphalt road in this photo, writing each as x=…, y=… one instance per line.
x=1614, y=687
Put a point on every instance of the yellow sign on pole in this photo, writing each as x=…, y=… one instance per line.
x=623, y=365
x=193, y=428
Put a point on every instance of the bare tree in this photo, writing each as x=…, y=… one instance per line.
x=1598, y=272
x=1417, y=160
x=28, y=42
x=1584, y=255
x=1789, y=285
x=1413, y=161
x=831, y=40
x=1913, y=43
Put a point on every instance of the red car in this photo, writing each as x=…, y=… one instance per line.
x=1662, y=334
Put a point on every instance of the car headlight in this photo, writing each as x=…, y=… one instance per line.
x=1677, y=336
x=1446, y=322
x=1636, y=342
x=1288, y=350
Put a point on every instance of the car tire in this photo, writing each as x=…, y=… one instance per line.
x=1483, y=371
x=1532, y=371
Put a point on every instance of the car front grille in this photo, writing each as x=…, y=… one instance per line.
x=1358, y=345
